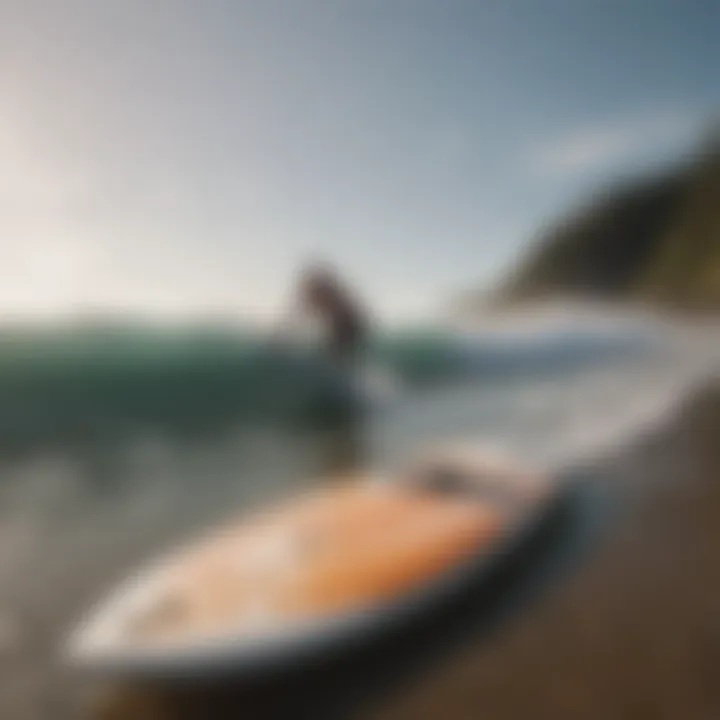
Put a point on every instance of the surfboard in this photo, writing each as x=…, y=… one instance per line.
x=338, y=563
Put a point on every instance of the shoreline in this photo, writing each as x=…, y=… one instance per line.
x=632, y=632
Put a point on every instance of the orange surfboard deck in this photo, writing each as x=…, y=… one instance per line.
x=347, y=548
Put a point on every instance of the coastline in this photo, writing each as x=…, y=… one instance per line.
x=632, y=632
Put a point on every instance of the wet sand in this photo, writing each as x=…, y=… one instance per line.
x=632, y=633
x=627, y=627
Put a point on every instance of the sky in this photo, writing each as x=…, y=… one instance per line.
x=183, y=157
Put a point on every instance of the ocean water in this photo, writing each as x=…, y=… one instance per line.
x=117, y=443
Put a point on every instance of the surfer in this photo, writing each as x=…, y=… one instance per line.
x=325, y=298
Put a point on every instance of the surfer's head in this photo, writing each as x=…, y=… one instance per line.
x=319, y=285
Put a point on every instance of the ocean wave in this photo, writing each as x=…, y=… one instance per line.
x=88, y=379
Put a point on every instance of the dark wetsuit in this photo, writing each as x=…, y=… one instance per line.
x=347, y=324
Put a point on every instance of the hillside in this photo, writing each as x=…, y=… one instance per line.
x=655, y=240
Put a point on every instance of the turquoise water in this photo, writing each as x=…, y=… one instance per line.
x=67, y=379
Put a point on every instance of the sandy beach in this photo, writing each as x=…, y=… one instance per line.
x=633, y=632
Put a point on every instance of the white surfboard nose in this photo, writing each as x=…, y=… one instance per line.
x=103, y=632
